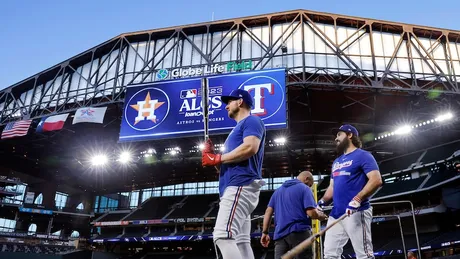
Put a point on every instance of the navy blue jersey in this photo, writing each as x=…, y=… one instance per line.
x=244, y=172
x=349, y=172
x=290, y=203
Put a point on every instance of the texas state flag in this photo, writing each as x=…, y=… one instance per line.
x=51, y=123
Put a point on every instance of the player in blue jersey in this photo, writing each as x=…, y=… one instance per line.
x=240, y=176
x=355, y=177
x=294, y=207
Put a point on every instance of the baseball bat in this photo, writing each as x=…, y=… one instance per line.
x=205, y=106
x=309, y=241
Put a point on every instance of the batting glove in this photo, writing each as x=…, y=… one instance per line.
x=320, y=205
x=210, y=159
x=353, y=206
x=208, y=146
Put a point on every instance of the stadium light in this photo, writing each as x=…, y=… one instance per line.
x=280, y=140
x=147, y=153
x=201, y=146
x=219, y=147
x=173, y=151
x=125, y=157
x=444, y=117
x=99, y=160
x=406, y=129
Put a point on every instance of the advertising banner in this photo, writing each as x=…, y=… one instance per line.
x=29, y=198
x=38, y=211
x=171, y=109
x=151, y=221
x=111, y=223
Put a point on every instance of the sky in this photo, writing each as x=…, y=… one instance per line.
x=36, y=35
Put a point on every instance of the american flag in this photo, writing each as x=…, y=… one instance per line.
x=16, y=129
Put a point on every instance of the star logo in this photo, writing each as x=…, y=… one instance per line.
x=146, y=109
x=87, y=112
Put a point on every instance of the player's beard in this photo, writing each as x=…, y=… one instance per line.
x=343, y=145
x=232, y=113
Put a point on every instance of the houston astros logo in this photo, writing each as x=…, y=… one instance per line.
x=147, y=108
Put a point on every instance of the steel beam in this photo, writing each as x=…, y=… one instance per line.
x=270, y=53
x=196, y=47
x=432, y=60
x=210, y=53
x=102, y=62
x=357, y=102
x=449, y=61
x=352, y=78
x=333, y=46
x=256, y=39
x=153, y=58
x=393, y=57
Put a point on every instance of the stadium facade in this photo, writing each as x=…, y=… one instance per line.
x=339, y=69
x=336, y=68
x=318, y=50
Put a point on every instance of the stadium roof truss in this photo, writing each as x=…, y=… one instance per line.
x=319, y=51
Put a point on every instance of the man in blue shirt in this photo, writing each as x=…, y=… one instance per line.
x=355, y=177
x=294, y=207
x=240, y=177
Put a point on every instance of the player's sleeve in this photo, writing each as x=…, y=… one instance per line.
x=253, y=127
x=368, y=163
x=308, y=200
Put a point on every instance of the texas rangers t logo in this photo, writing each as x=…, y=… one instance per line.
x=262, y=88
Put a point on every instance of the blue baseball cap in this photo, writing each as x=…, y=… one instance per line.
x=237, y=94
x=347, y=128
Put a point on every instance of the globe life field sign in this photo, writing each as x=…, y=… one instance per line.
x=208, y=69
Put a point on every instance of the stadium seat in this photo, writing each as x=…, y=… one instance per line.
x=399, y=163
x=155, y=208
x=399, y=187
x=113, y=217
x=440, y=153
x=439, y=176
x=264, y=198
x=135, y=231
x=195, y=206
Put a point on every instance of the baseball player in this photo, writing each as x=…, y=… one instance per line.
x=355, y=176
x=411, y=255
x=240, y=176
x=294, y=207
